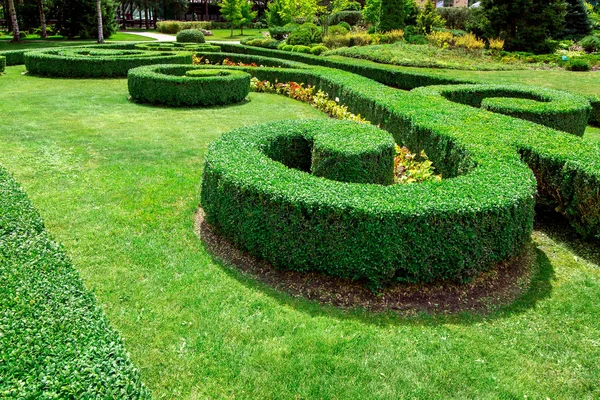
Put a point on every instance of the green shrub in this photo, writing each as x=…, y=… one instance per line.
x=352, y=18
x=337, y=30
x=336, y=41
x=96, y=62
x=14, y=57
x=182, y=85
x=56, y=342
x=346, y=25
x=301, y=49
x=578, y=65
x=556, y=109
x=174, y=46
x=595, y=114
x=281, y=32
x=2, y=63
x=190, y=36
x=174, y=27
x=288, y=47
x=591, y=44
x=317, y=50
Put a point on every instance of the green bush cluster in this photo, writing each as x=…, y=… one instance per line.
x=190, y=36
x=556, y=109
x=55, y=341
x=2, y=63
x=591, y=44
x=96, y=62
x=174, y=46
x=183, y=85
x=578, y=65
x=14, y=57
x=174, y=27
x=481, y=213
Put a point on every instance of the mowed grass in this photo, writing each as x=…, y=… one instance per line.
x=35, y=42
x=118, y=184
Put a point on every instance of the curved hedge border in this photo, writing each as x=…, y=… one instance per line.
x=183, y=85
x=480, y=214
x=382, y=73
x=2, y=63
x=96, y=63
x=556, y=109
x=174, y=46
x=55, y=341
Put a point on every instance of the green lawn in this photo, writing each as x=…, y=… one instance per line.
x=118, y=184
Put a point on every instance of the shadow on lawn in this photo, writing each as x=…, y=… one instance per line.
x=515, y=287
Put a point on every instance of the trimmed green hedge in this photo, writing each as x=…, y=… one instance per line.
x=556, y=109
x=595, y=114
x=174, y=46
x=183, y=85
x=481, y=213
x=14, y=57
x=96, y=63
x=55, y=341
x=2, y=63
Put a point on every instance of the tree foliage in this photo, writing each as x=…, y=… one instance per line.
x=281, y=12
x=526, y=25
x=247, y=14
x=232, y=12
x=392, y=15
x=79, y=18
x=577, y=20
x=428, y=18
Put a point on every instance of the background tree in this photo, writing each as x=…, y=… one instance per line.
x=429, y=19
x=247, y=14
x=99, y=14
x=13, y=20
x=231, y=11
x=372, y=12
x=79, y=18
x=577, y=20
x=526, y=25
x=279, y=13
x=392, y=15
x=42, y=12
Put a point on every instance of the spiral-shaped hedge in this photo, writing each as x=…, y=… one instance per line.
x=174, y=46
x=557, y=109
x=183, y=85
x=481, y=213
x=96, y=62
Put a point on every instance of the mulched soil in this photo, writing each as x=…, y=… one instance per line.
x=486, y=292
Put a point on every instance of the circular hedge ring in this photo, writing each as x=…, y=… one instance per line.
x=96, y=63
x=559, y=110
x=183, y=85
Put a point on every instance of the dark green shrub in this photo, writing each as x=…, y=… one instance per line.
x=455, y=17
x=595, y=114
x=56, y=342
x=2, y=63
x=578, y=65
x=346, y=25
x=182, y=85
x=318, y=50
x=352, y=18
x=174, y=46
x=301, y=49
x=392, y=15
x=174, y=27
x=190, y=36
x=591, y=44
x=96, y=62
x=300, y=37
x=281, y=32
x=288, y=47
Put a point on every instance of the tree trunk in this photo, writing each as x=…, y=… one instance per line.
x=146, y=14
x=44, y=32
x=206, y=17
x=100, y=28
x=13, y=21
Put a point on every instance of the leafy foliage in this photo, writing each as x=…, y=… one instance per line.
x=181, y=85
x=577, y=21
x=392, y=15
x=190, y=36
x=78, y=18
x=55, y=341
x=408, y=168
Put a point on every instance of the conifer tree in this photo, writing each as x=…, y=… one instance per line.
x=577, y=20
x=392, y=15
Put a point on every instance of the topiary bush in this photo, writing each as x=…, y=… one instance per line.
x=302, y=49
x=182, y=85
x=317, y=50
x=56, y=342
x=96, y=63
x=337, y=30
x=190, y=36
x=578, y=65
x=556, y=109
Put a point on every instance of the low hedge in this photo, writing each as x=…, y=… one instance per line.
x=55, y=341
x=480, y=214
x=382, y=73
x=96, y=63
x=595, y=114
x=182, y=85
x=557, y=109
x=2, y=63
x=14, y=57
x=174, y=46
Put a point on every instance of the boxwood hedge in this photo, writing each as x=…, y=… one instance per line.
x=557, y=109
x=386, y=74
x=55, y=341
x=96, y=63
x=187, y=85
x=481, y=213
x=174, y=46
x=2, y=63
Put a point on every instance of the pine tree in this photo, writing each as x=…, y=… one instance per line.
x=577, y=20
x=231, y=11
x=392, y=15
